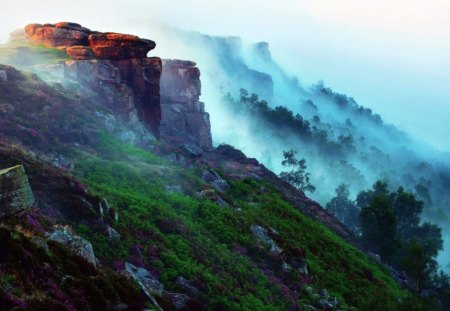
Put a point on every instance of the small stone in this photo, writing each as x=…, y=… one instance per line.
x=286, y=267
x=113, y=235
x=40, y=242
x=3, y=76
x=187, y=286
x=179, y=301
x=172, y=189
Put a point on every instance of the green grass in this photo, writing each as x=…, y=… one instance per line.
x=26, y=54
x=195, y=238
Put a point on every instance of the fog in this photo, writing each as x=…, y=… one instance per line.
x=391, y=57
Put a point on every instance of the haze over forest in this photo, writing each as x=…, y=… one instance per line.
x=391, y=57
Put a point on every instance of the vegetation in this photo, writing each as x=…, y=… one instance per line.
x=297, y=176
x=344, y=208
x=213, y=246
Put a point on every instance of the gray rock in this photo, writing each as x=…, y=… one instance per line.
x=103, y=207
x=375, y=256
x=113, y=235
x=213, y=178
x=40, y=242
x=3, y=76
x=148, y=282
x=179, y=301
x=325, y=305
x=300, y=265
x=76, y=244
x=15, y=191
x=188, y=288
x=286, y=267
x=261, y=234
x=174, y=189
x=210, y=194
x=193, y=150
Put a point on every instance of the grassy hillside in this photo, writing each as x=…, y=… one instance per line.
x=212, y=245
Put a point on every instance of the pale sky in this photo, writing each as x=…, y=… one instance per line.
x=390, y=55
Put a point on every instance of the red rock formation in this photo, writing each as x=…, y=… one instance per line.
x=58, y=35
x=183, y=116
x=78, y=52
x=115, y=66
x=119, y=46
x=88, y=43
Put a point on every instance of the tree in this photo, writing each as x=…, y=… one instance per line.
x=407, y=210
x=343, y=208
x=379, y=227
x=380, y=188
x=417, y=263
x=297, y=176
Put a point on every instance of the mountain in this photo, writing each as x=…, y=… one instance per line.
x=341, y=140
x=113, y=196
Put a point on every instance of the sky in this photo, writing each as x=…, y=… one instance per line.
x=391, y=55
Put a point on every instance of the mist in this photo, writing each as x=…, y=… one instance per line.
x=391, y=58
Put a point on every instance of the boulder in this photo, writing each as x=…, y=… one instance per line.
x=15, y=191
x=77, y=244
x=179, y=301
x=187, y=287
x=147, y=281
x=113, y=235
x=210, y=194
x=119, y=46
x=213, y=178
x=262, y=235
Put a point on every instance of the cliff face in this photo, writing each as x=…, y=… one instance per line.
x=114, y=68
x=183, y=115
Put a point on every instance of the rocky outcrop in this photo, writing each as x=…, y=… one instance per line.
x=215, y=180
x=15, y=191
x=119, y=46
x=164, y=95
x=76, y=244
x=113, y=67
x=58, y=35
x=88, y=44
x=147, y=281
x=262, y=235
x=183, y=116
x=129, y=86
